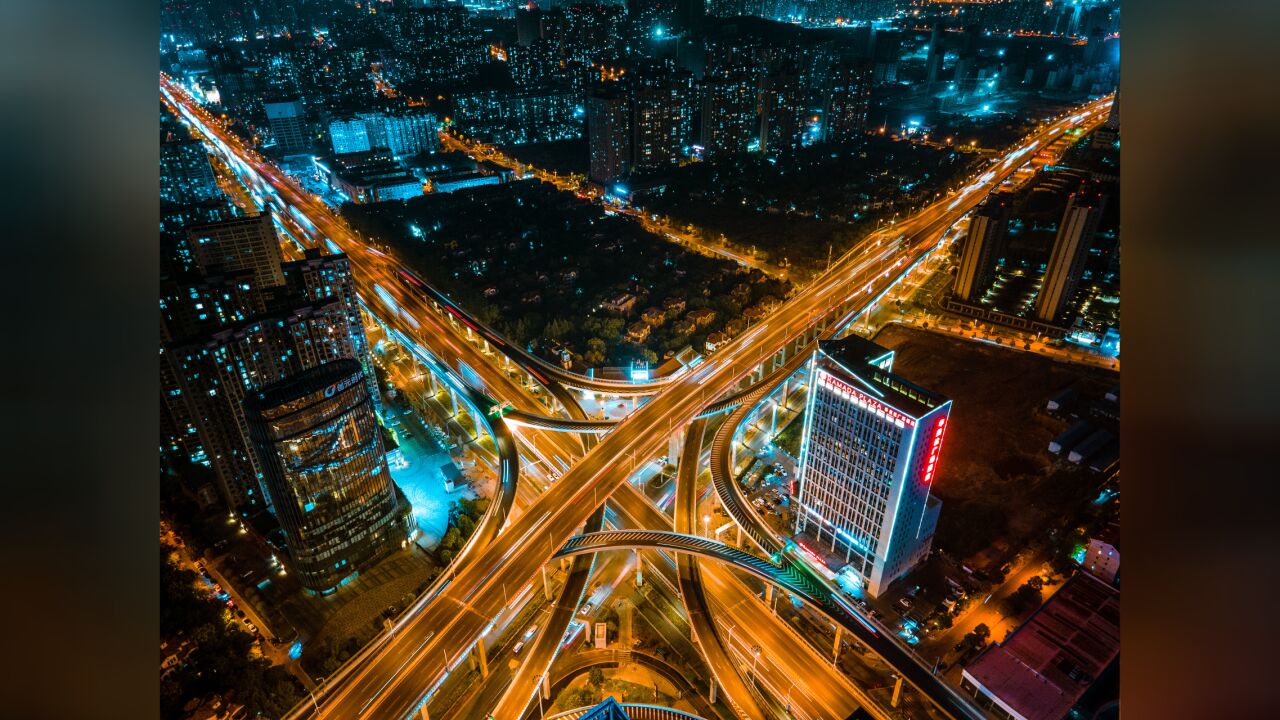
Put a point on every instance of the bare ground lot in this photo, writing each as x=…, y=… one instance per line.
x=997, y=479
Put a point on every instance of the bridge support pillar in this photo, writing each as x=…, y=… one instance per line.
x=546, y=584
x=768, y=596
x=482, y=659
x=453, y=401
x=546, y=686
x=639, y=570
x=773, y=419
x=737, y=536
x=675, y=445
x=422, y=713
x=897, y=693
x=835, y=646
x=431, y=383
x=711, y=698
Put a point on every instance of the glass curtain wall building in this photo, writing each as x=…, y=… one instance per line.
x=323, y=464
x=867, y=459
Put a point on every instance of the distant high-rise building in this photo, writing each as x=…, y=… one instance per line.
x=241, y=243
x=888, y=50
x=411, y=133
x=1107, y=133
x=185, y=173
x=320, y=448
x=982, y=247
x=868, y=458
x=1070, y=249
x=528, y=25
x=404, y=135
x=730, y=96
x=783, y=113
x=845, y=115
x=349, y=135
x=288, y=122
x=935, y=54
x=608, y=134
x=662, y=122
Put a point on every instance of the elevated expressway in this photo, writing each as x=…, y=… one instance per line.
x=394, y=681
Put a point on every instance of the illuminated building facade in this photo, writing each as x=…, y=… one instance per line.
x=988, y=227
x=348, y=135
x=608, y=133
x=288, y=122
x=663, y=118
x=320, y=448
x=213, y=372
x=867, y=461
x=185, y=173
x=1070, y=250
x=248, y=242
x=515, y=117
x=844, y=118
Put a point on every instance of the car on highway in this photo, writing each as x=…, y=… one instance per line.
x=518, y=647
x=587, y=608
x=529, y=633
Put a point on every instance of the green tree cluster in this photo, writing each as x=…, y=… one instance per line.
x=220, y=663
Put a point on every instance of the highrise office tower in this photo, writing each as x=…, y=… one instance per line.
x=868, y=459
x=288, y=121
x=608, y=134
x=319, y=445
x=242, y=243
x=318, y=276
x=185, y=173
x=982, y=247
x=1070, y=249
x=212, y=373
x=845, y=116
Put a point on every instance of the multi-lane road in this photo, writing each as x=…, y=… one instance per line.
x=395, y=680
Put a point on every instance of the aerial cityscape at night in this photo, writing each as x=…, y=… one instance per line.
x=647, y=359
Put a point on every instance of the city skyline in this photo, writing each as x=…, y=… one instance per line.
x=497, y=341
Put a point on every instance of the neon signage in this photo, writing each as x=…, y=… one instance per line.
x=337, y=387
x=935, y=447
x=866, y=401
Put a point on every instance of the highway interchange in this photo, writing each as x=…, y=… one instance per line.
x=394, y=677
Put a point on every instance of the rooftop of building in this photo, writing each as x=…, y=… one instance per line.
x=871, y=365
x=1044, y=668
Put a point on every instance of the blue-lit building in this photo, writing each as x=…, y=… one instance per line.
x=868, y=460
x=319, y=445
x=185, y=173
x=545, y=113
x=348, y=135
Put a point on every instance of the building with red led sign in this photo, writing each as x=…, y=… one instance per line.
x=871, y=447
